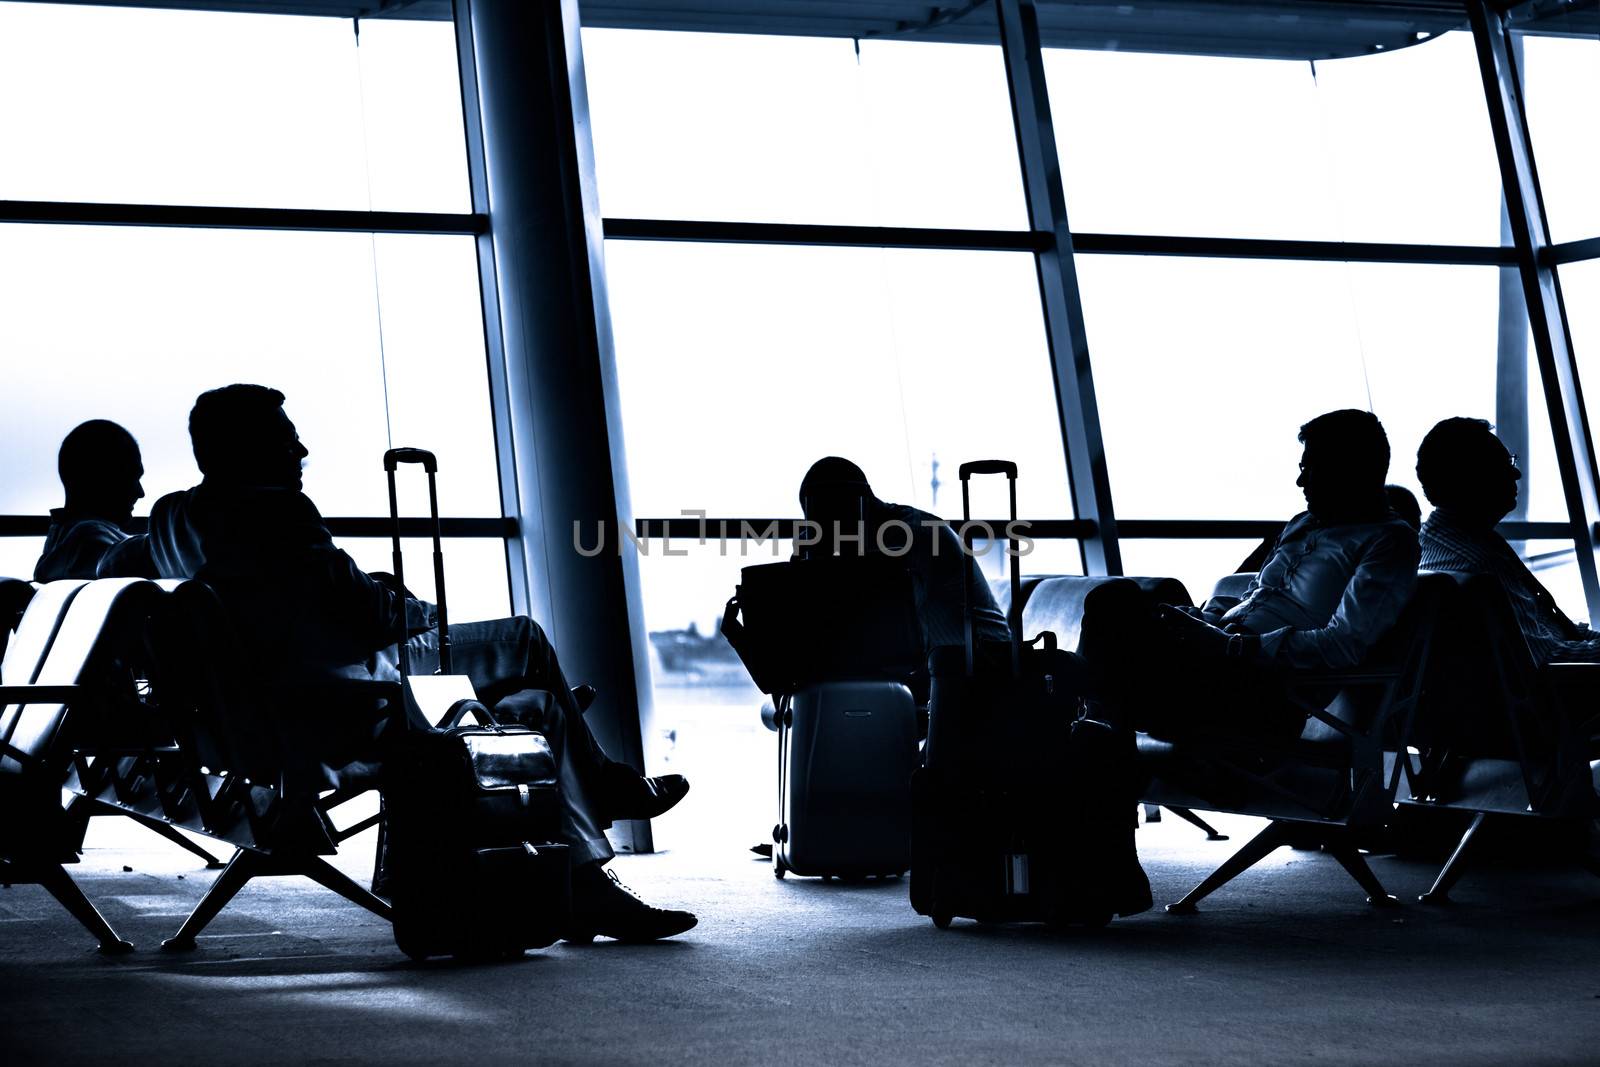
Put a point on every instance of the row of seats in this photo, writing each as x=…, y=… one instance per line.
x=124, y=696
x=1449, y=712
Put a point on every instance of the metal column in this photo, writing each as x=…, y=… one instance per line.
x=545, y=289
x=1058, y=284
x=1558, y=370
x=493, y=343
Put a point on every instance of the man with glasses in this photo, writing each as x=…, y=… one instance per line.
x=1334, y=583
x=1471, y=480
x=305, y=608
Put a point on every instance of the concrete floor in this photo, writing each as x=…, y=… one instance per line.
x=1288, y=964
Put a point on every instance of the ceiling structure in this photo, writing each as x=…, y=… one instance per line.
x=1279, y=29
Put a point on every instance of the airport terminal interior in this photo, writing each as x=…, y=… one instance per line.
x=625, y=269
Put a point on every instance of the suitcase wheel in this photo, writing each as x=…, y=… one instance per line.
x=778, y=869
x=941, y=919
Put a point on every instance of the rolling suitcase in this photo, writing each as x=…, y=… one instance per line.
x=846, y=751
x=471, y=814
x=1023, y=811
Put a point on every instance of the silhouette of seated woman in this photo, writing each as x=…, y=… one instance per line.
x=100, y=470
x=305, y=607
x=1471, y=479
x=1336, y=581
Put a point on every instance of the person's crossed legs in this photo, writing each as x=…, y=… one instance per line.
x=504, y=656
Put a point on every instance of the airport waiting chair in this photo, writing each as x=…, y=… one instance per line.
x=61, y=658
x=1333, y=781
x=14, y=596
x=256, y=762
x=1499, y=735
x=1055, y=603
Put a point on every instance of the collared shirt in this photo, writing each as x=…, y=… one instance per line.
x=74, y=546
x=1329, y=591
x=1448, y=544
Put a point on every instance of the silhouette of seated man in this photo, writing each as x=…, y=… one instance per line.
x=100, y=470
x=306, y=607
x=835, y=495
x=1470, y=478
x=1336, y=581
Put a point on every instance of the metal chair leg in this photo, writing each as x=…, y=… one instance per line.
x=1194, y=820
x=1451, y=873
x=1254, y=850
x=326, y=875
x=59, y=884
x=1351, y=860
x=1152, y=813
x=244, y=866
x=170, y=832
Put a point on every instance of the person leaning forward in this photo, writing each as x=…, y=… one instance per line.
x=249, y=531
x=835, y=495
x=1335, y=582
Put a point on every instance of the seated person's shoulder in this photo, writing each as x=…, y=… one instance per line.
x=1395, y=532
x=254, y=513
x=74, y=548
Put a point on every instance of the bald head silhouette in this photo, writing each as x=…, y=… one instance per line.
x=1465, y=469
x=101, y=468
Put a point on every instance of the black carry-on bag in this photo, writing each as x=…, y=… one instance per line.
x=472, y=811
x=1023, y=811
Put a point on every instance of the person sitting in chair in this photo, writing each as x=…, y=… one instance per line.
x=100, y=470
x=1335, y=582
x=249, y=531
x=1470, y=478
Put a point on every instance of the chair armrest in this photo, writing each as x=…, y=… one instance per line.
x=41, y=694
x=1572, y=669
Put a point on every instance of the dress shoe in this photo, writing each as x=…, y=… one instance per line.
x=602, y=906
x=630, y=796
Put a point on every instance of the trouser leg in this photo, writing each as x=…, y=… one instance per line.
x=1164, y=687
x=502, y=656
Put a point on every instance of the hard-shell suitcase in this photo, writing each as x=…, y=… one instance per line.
x=471, y=813
x=846, y=751
x=1023, y=811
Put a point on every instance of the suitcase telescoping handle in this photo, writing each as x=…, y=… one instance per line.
x=392, y=459
x=1014, y=614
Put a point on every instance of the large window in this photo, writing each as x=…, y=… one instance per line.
x=1391, y=147
x=787, y=129
x=1561, y=77
x=766, y=356
x=375, y=338
x=128, y=105
x=1206, y=368
x=742, y=364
